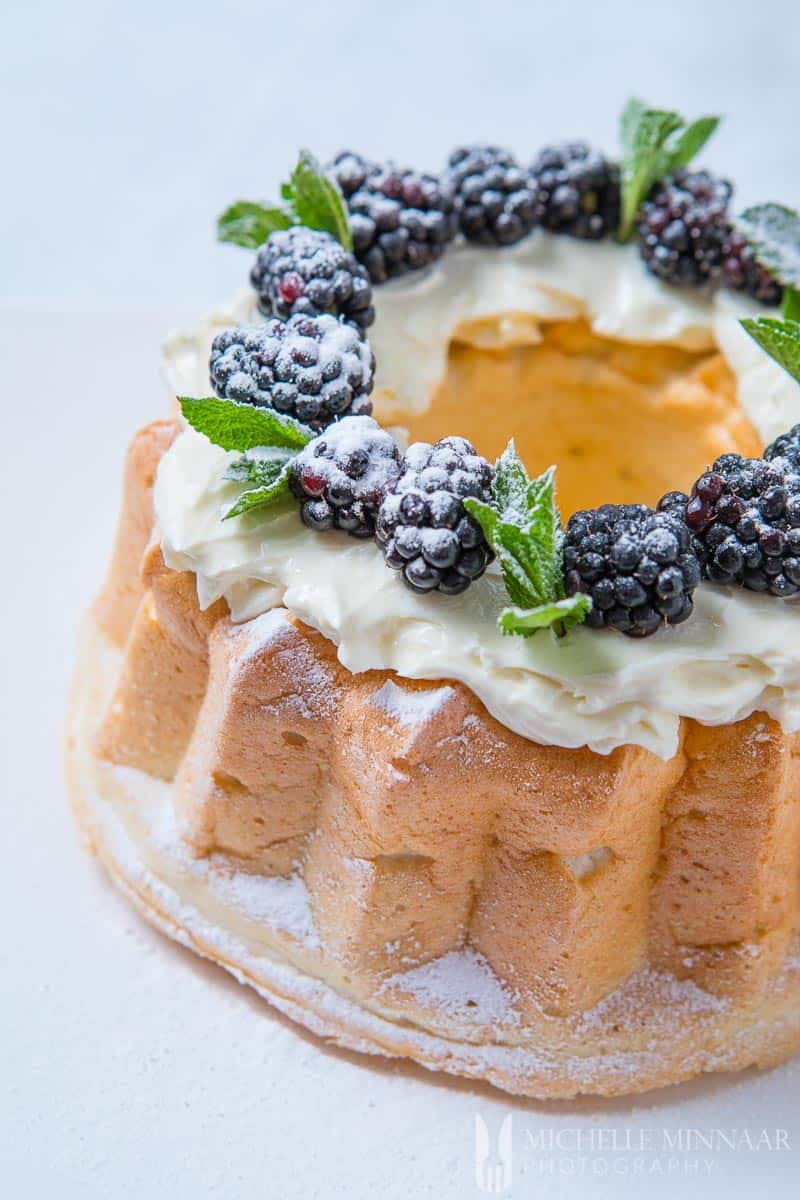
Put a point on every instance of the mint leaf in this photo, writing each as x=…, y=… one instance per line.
x=690, y=141
x=780, y=339
x=643, y=132
x=316, y=200
x=523, y=527
x=248, y=224
x=242, y=427
x=654, y=143
x=561, y=615
x=262, y=465
x=774, y=233
x=310, y=198
x=271, y=475
x=511, y=483
x=790, y=309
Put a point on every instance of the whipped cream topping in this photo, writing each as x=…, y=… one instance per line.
x=739, y=653
x=545, y=277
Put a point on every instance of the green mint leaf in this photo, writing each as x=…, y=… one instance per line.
x=654, y=143
x=690, y=141
x=511, y=482
x=774, y=233
x=242, y=427
x=631, y=117
x=317, y=200
x=267, y=496
x=780, y=339
x=523, y=527
x=261, y=465
x=248, y=224
x=487, y=517
x=545, y=527
x=790, y=309
x=643, y=132
x=559, y=615
x=524, y=565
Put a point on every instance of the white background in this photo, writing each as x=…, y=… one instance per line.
x=127, y=1068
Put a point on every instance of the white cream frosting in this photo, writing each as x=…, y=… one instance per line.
x=545, y=277
x=740, y=652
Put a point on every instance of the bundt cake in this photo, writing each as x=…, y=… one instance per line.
x=359, y=719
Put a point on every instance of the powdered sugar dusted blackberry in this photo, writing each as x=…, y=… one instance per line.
x=401, y=220
x=315, y=369
x=342, y=476
x=423, y=528
x=308, y=271
x=497, y=198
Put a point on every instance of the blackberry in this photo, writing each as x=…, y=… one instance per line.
x=577, y=191
x=637, y=565
x=745, y=517
x=744, y=273
x=684, y=228
x=400, y=220
x=424, y=529
x=342, y=476
x=496, y=198
x=315, y=369
x=301, y=270
x=786, y=446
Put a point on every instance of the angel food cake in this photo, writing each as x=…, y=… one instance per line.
x=361, y=718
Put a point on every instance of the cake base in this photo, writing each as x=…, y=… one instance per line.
x=451, y=1015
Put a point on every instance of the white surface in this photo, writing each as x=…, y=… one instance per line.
x=128, y=1068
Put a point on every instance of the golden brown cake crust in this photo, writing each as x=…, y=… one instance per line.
x=551, y=920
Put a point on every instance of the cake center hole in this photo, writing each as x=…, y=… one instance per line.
x=623, y=421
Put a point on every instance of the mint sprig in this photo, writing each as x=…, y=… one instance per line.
x=249, y=224
x=310, y=197
x=773, y=231
x=655, y=142
x=790, y=309
x=316, y=200
x=780, y=339
x=267, y=469
x=559, y=615
x=243, y=427
x=523, y=527
x=267, y=441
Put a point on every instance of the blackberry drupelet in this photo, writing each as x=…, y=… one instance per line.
x=786, y=446
x=315, y=369
x=637, y=565
x=495, y=196
x=301, y=270
x=745, y=517
x=400, y=220
x=577, y=191
x=424, y=529
x=342, y=476
x=744, y=273
x=684, y=228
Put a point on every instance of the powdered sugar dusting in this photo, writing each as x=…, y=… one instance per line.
x=261, y=632
x=270, y=899
x=274, y=901
x=411, y=707
x=648, y=990
x=462, y=985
